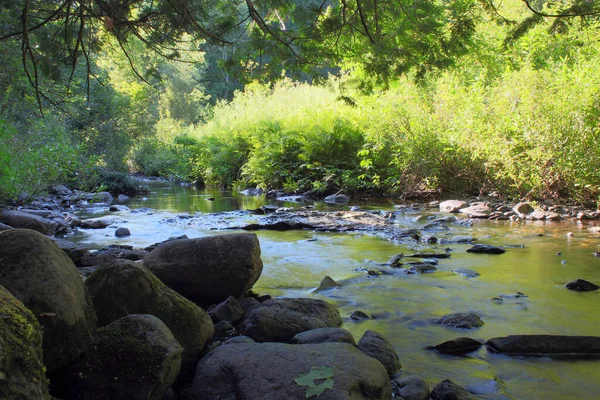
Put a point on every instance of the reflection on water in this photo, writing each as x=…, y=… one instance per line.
x=403, y=305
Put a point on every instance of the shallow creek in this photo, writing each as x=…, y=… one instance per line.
x=404, y=305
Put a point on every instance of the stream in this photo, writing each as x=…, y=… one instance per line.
x=403, y=305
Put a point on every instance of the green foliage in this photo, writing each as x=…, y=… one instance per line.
x=317, y=379
x=100, y=179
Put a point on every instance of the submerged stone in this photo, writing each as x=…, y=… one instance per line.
x=581, y=285
x=546, y=344
x=458, y=346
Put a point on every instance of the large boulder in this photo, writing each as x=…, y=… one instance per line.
x=279, y=320
x=324, y=335
x=135, y=358
x=411, y=387
x=21, y=368
x=18, y=219
x=208, y=270
x=128, y=288
x=37, y=272
x=275, y=371
x=376, y=346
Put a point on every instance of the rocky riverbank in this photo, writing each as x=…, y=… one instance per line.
x=204, y=336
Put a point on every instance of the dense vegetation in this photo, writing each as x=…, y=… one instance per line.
x=462, y=98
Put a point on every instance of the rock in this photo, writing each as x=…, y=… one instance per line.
x=276, y=226
x=135, y=357
x=229, y=310
x=428, y=255
x=537, y=215
x=466, y=272
x=238, y=340
x=18, y=219
x=324, y=335
x=337, y=199
x=376, y=346
x=546, y=344
x=523, y=208
x=21, y=368
x=75, y=251
x=462, y=345
x=122, y=232
x=100, y=198
x=434, y=226
x=39, y=213
x=327, y=283
x=448, y=390
x=224, y=330
x=395, y=261
x=461, y=320
x=126, y=288
x=94, y=224
x=359, y=316
x=60, y=190
x=458, y=239
x=486, y=249
x=429, y=239
x=420, y=268
x=38, y=273
x=4, y=227
x=122, y=198
x=279, y=320
x=247, y=302
x=117, y=207
x=208, y=270
x=452, y=206
x=581, y=285
x=108, y=255
x=477, y=211
x=273, y=371
x=411, y=387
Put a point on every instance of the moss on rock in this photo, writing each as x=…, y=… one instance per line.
x=21, y=368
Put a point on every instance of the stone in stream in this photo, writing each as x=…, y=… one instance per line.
x=359, y=316
x=275, y=371
x=458, y=239
x=458, y=346
x=337, y=199
x=279, y=320
x=376, y=346
x=4, y=227
x=395, y=261
x=94, y=224
x=452, y=206
x=429, y=255
x=420, y=268
x=460, y=320
x=38, y=273
x=448, y=390
x=324, y=335
x=76, y=252
x=523, y=208
x=326, y=283
x=18, y=219
x=208, y=270
x=466, y=272
x=581, y=285
x=117, y=207
x=126, y=288
x=411, y=387
x=546, y=345
x=21, y=367
x=477, y=211
x=135, y=357
x=486, y=249
x=122, y=232
x=229, y=310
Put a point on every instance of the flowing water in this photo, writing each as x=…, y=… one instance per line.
x=404, y=305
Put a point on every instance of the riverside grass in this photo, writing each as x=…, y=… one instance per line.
x=528, y=133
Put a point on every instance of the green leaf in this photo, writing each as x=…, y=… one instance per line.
x=314, y=388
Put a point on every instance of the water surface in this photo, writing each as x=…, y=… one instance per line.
x=404, y=305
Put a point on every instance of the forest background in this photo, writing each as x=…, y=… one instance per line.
x=377, y=98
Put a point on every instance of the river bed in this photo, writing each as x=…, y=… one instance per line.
x=403, y=305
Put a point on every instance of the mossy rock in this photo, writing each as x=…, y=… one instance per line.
x=135, y=358
x=21, y=368
x=128, y=288
x=39, y=274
